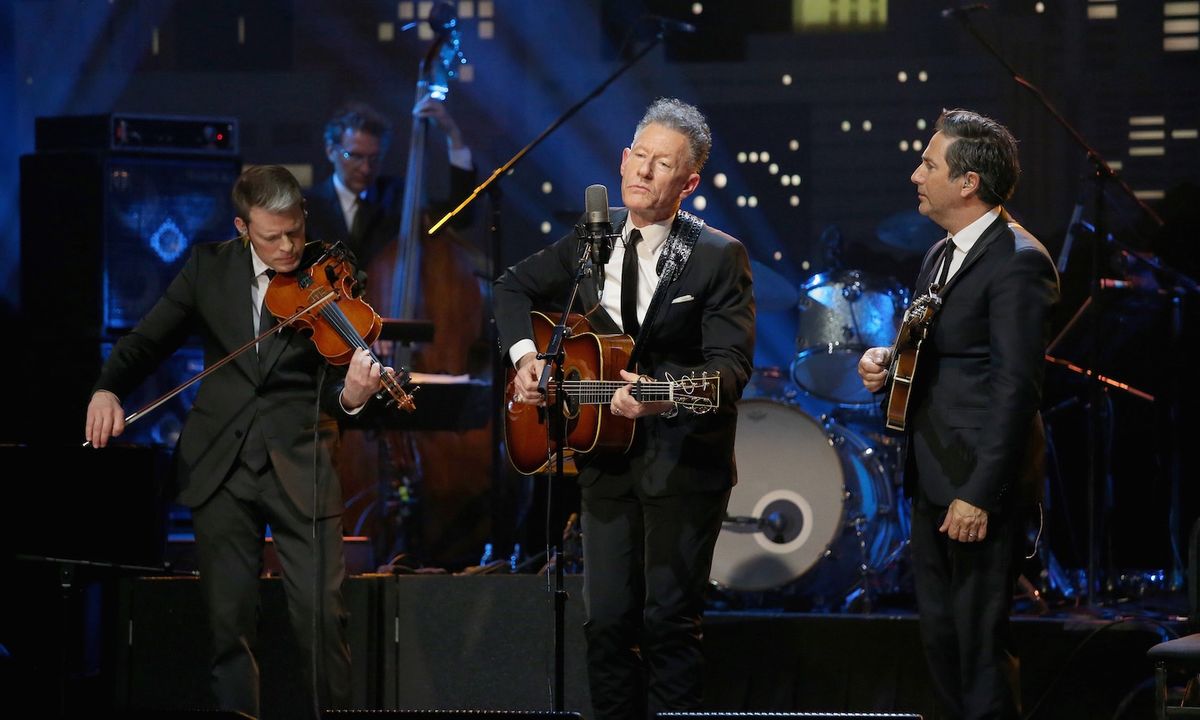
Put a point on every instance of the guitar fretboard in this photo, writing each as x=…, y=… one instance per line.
x=600, y=392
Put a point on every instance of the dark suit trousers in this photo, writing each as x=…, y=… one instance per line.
x=229, y=529
x=964, y=596
x=646, y=567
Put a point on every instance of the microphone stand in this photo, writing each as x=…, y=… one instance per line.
x=557, y=421
x=553, y=353
x=1097, y=407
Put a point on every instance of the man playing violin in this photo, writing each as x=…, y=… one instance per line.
x=651, y=516
x=253, y=451
x=975, y=438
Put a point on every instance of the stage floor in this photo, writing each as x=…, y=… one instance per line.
x=485, y=642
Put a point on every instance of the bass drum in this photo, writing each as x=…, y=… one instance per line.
x=813, y=507
x=841, y=315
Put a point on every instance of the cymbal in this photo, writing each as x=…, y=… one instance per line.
x=908, y=230
x=772, y=291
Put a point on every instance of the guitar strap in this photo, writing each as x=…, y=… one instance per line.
x=685, y=231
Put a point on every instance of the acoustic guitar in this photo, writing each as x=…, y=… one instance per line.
x=591, y=375
x=918, y=319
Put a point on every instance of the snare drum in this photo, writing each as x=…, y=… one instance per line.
x=841, y=315
x=813, y=504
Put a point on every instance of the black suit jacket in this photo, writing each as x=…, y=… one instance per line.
x=706, y=323
x=278, y=392
x=381, y=213
x=975, y=428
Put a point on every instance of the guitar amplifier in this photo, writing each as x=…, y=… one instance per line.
x=137, y=133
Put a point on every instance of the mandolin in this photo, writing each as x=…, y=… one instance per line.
x=591, y=375
x=914, y=328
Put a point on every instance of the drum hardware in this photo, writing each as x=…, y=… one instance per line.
x=813, y=510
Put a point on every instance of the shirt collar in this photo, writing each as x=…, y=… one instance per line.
x=259, y=266
x=345, y=195
x=966, y=238
x=653, y=235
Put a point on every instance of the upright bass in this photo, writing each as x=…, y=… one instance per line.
x=441, y=477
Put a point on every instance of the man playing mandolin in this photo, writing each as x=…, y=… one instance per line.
x=652, y=514
x=975, y=438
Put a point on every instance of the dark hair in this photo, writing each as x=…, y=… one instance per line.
x=357, y=116
x=270, y=187
x=684, y=118
x=982, y=146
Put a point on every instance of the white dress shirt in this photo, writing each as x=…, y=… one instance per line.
x=654, y=238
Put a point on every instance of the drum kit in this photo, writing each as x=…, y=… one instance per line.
x=817, y=512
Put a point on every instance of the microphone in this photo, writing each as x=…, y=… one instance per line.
x=598, y=227
x=671, y=24
x=964, y=9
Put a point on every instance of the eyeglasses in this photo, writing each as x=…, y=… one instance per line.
x=359, y=159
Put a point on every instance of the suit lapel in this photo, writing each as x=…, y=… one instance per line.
x=929, y=264
x=236, y=287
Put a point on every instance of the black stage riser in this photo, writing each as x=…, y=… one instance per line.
x=786, y=716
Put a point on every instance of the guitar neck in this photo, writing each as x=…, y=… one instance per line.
x=600, y=392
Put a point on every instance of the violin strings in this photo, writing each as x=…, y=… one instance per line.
x=345, y=328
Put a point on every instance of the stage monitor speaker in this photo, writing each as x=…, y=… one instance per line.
x=483, y=641
x=786, y=716
x=103, y=234
x=450, y=715
x=164, y=661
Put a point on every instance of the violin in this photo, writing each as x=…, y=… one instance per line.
x=323, y=301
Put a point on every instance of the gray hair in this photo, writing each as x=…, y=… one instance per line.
x=359, y=117
x=269, y=187
x=982, y=146
x=685, y=119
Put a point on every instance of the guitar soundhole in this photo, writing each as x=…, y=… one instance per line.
x=571, y=404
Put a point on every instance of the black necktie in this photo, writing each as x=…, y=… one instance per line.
x=265, y=318
x=629, y=284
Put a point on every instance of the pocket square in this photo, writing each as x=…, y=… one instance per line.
x=682, y=299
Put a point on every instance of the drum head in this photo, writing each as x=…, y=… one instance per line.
x=788, y=503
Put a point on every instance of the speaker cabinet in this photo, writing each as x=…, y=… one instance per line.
x=131, y=222
x=102, y=236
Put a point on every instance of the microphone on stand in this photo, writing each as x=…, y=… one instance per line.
x=964, y=9
x=598, y=228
